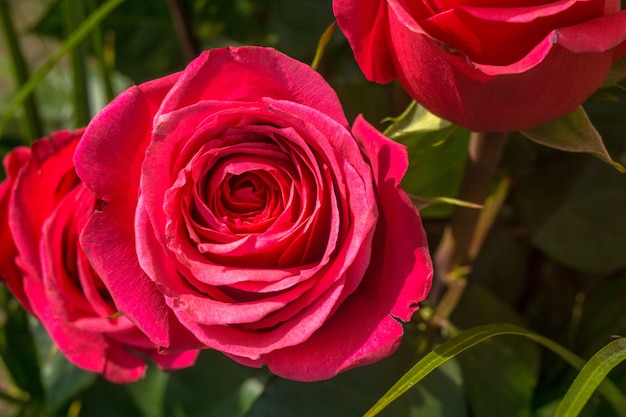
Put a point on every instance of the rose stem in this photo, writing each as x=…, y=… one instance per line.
x=452, y=258
x=184, y=29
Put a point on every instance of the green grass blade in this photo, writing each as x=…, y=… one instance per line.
x=590, y=376
x=71, y=42
x=472, y=337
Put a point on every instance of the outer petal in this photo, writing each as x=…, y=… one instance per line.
x=29, y=209
x=175, y=360
x=113, y=257
x=88, y=350
x=81, y=332
x=248, y=74
x=9, y=271
x=108, y=160
x=405, y=246
x=563, y=71
x=112, y=148
x=365, y=25
x=367, y=323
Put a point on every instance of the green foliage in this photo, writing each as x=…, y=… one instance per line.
x=573, y=206
x=414, y=120
x=17, y=349
x=436, y=163
x=470, y=338
x=506, y=367
x=573, y=210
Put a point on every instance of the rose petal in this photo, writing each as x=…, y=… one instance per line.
x=28, y=210
x=366, y=27
x=9, y=271
x=108, y=171
x=470, y=30
x=259, y=72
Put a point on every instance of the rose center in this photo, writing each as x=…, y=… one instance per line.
x=248, y=202
x=245, y=195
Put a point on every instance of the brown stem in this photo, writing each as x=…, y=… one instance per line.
x=182, y=24
x=453, y=257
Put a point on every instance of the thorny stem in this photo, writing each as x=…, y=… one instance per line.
x=453, y=257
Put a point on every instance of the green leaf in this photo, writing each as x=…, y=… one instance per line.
x=415, y=119
x=215, y=386
x=574, y=208
x=470, y=338
x=617, y=73
x=573, y=133
x=501, y=368
x=436, y=163
x=61, y=379
x=149, y=393
x=590, y=376
x=17, y=348
x=358, y=96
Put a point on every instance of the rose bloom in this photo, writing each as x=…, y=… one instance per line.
x=43, y=207
x=484, y=64
x=237, y=207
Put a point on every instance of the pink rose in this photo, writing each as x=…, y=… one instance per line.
x=237, y=207
x=487, y=65
x=43, y=207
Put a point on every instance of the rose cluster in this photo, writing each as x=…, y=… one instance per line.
x=229, y=206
